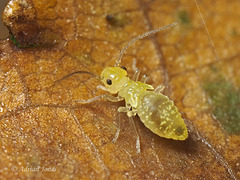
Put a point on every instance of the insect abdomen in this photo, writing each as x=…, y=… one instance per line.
x=161, y=116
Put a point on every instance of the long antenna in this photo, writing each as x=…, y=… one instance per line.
x=77, y=72
x=209, y=37
x=140, y=37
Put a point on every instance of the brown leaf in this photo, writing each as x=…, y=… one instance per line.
x=45, y=134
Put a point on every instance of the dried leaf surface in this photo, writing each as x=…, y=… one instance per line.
x=45, y=134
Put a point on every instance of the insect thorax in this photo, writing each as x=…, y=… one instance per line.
x=132, y=90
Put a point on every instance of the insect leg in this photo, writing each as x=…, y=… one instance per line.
x=118, y=128
x=130, y=115
x=144, y=78
x=159, y=89
x=136, y=75
x=120, y=109
x=134, y=67
x=101, y=87
x=138, y=139
x=104, y=96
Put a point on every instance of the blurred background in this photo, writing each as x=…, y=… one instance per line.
x=3, y=29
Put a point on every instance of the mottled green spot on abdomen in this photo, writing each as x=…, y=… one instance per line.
x=179, y=131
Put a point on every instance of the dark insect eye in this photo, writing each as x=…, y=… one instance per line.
x=109, y=81
x=124, y=68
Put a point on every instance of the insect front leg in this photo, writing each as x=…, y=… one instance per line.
x=104, y=96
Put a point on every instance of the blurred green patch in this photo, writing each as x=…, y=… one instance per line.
x=184, y=17
x=234, y=32
x=15, y=42
x=225, y=101
x=118, y=20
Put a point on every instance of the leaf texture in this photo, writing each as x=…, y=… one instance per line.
x=45, y=134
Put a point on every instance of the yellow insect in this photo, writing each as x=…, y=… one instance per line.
x=156, y=111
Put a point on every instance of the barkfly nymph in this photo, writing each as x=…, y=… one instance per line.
x=156, y=111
